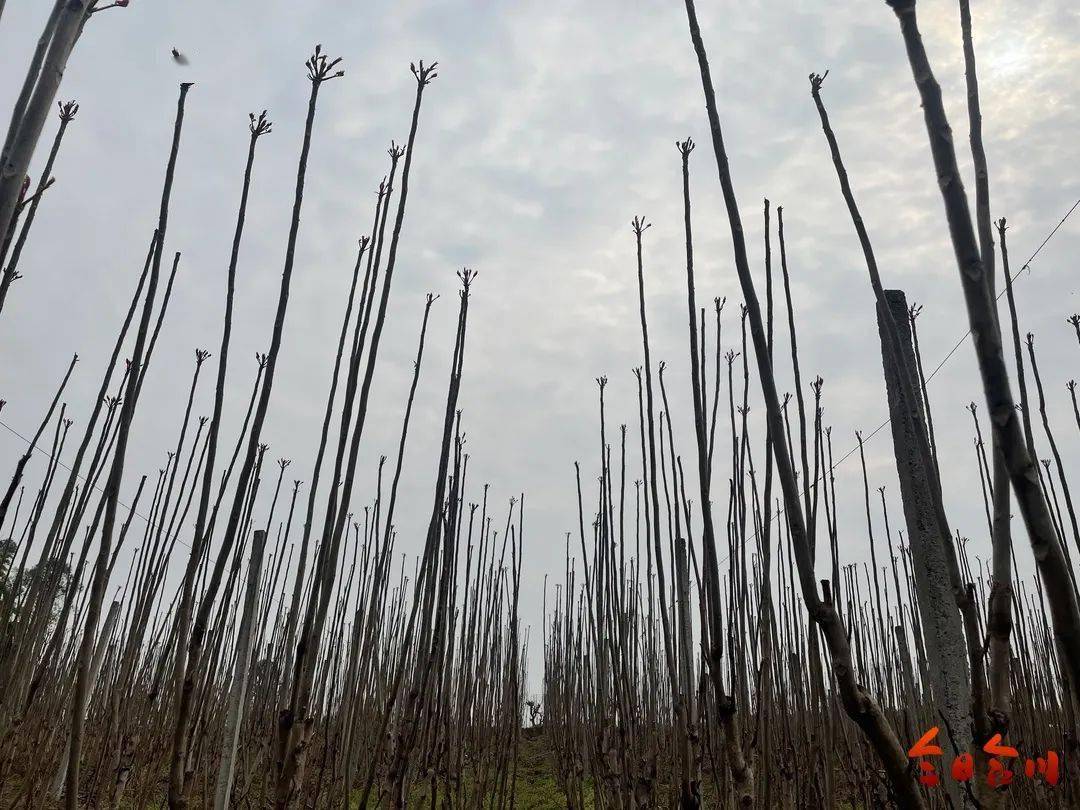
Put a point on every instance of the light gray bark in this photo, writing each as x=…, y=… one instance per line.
x=25, y=129
x=943, y=630
x=240, y=675
x=95, y=672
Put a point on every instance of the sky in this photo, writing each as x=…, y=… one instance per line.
x=550, y=126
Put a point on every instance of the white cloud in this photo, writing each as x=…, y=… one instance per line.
x=550, y=126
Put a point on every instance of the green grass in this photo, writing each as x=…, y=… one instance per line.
x=535, y=788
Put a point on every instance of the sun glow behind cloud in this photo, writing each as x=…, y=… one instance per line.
x=551, y=125
x=1012, y=59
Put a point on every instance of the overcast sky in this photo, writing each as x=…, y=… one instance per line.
x=551, y=125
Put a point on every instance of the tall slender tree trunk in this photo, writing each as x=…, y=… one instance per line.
x=62, y=30
x=320, y=69
x=257, y=128
x=858, y=702
x=116, y=472
x=241, y=671
x=943, y=633
x=1049, y=554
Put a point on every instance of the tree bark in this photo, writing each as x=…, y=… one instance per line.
x=238, y=693
x=70, y=16
x=1048, y=551
x=943, y=631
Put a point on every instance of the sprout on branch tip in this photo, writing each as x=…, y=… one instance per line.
x=424, y=75
x=260, y=125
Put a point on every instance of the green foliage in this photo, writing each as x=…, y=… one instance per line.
x=536, y=787
x=7, y=558
x=54, y=573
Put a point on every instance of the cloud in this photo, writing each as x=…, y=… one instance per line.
x=551, y=125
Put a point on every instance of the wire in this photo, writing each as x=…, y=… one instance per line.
x=97, y=488
x=779, y=512
x=1026, y=266
x=937, y=368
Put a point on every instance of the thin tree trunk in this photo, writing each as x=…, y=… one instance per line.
x=10, y=273
x=116, y=472
x=257, y=128
x=1048, y=551
x=859, y=704
x=66, y=24
x=319, y=70
x=20, y=465
x=238, y=693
